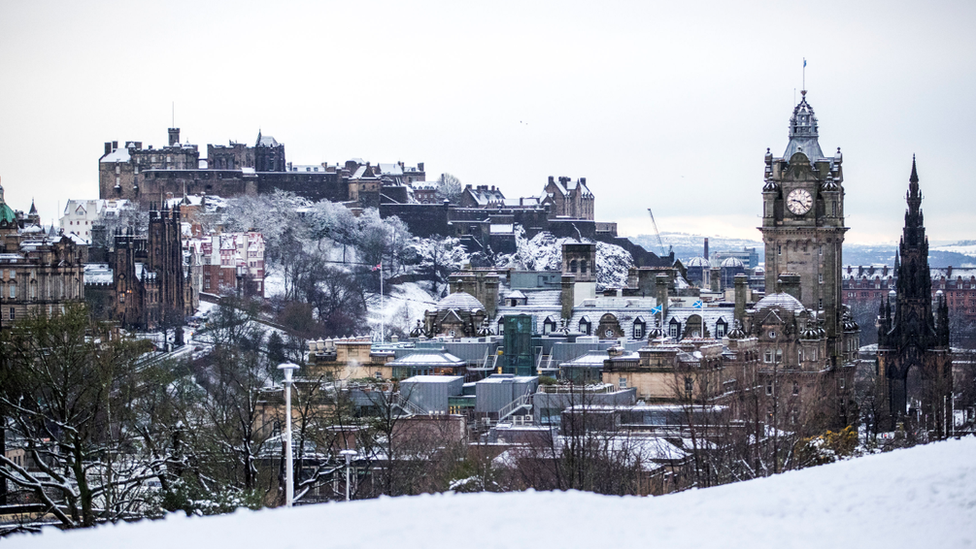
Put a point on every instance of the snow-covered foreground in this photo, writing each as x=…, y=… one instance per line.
x=922, y=497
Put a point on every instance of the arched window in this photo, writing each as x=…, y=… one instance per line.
x=768, y=357
x=572, y=266
x=674, y=328
x=583, y=266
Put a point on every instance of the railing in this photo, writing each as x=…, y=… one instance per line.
x=511, y=407
x=409, y=407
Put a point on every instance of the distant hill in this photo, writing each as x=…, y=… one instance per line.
x=686, y=246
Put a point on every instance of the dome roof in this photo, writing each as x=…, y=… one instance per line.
x=781, y=300
x=697, y=262
x=460, y=300
x=732, y=263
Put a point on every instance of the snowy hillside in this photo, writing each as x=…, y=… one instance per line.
x=919, y=498
x=544, y=252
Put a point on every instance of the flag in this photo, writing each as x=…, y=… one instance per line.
x=804, y=62
x=378, y=267
x=698, y=304
x=656, y=310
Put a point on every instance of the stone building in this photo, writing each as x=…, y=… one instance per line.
x=151, y=175
x=144, y=284
x=914, y=358
x=40, y=273
x=803, y=222
x=568, y=198
x=807, y=335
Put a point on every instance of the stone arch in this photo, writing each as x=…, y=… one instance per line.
x=609, y=327
x=695, y=327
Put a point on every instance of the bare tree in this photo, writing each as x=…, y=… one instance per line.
x=68, y=387
x=449, y=188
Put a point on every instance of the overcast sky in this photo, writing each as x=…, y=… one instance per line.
x=663, y=105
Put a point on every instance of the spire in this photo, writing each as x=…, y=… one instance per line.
x=804, y=132
x=33, y=210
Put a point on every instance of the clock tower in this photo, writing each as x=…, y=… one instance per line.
x=803, y=223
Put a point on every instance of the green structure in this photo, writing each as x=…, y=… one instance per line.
x=519, y=358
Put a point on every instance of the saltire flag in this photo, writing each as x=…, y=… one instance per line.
x=698, y=304
x=657, y=309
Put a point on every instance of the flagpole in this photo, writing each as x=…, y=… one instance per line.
x=382, y=306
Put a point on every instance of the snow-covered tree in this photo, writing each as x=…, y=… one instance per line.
x=70, y=393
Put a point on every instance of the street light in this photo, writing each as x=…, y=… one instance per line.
x=348, y=454
x=288, y=368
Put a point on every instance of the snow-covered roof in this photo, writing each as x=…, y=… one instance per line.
x=118, y=155
x=732, y=263
x=460, y=300
x=390, y=169
x=428, y=357
x=781, y=300
x=98, y=273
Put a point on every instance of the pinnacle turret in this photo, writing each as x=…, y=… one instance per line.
x=804, y=132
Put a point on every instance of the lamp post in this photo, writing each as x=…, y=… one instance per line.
x=348, y=454
x=288, y=368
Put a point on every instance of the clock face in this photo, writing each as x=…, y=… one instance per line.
x=609, y=333
x=799, y=201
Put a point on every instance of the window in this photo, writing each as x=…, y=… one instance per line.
x=769, y=388
x=674, y=329
x=820, y=277
x=583, y=267
x=769, y=356
x=572, y=266
x=689, y=384
x=843, y=383
x=779, y=249
x=720, y=329
x=13, y=274
x=13, y=292
x=796, y=388
x=799, y=355
x=820, y=303
x=623, y=383
x=638, y=331
x=779, y=356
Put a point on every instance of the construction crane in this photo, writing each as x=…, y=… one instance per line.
x=660, y=243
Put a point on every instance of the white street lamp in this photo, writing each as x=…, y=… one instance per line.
x=348, y=454
x=288, y=368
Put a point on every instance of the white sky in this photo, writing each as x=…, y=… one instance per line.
x=663, y=105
